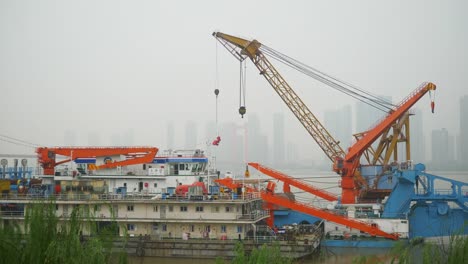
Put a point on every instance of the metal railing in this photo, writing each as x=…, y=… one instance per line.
x=122, y=197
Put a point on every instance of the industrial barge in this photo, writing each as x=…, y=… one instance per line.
x=172, y=198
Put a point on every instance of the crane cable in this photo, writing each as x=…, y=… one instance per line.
x=353, y=91
x=18, y=142
x=242, y=87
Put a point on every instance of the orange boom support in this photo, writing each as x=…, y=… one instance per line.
x=135, y=155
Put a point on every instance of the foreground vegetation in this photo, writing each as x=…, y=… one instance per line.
x=263, y=255
x=418, y=251
x=45, y=239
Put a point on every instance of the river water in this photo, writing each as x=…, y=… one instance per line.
x=324, y=180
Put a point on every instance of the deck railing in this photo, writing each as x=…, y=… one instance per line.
x=126, y=197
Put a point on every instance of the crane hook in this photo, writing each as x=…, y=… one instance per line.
x=242, y=111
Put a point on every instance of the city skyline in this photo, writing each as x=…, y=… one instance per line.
x=262, y=146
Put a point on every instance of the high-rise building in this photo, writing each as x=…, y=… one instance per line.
x=292, y=155
x=191, y=135
x=338, y=123
x=278, y=140
x=463, y=144
x=170, y=135
x=257, y=142
x=230, y=152
x=440, y=148
x=417, y=137
x=210, y=132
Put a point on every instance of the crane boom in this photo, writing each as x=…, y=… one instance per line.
x=372, y=134
x=241, y=49
x=307, y=209
x=350, y=191
x=296, y=183
x=345, y=164
x=139, y=155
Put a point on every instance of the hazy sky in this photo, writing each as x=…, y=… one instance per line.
x=113, y=66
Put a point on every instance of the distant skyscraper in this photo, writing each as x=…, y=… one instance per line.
x=366, y=115
x=440, y=148
x=191, y=135
x=257, y=145
x=338, y=123
x=170, y=135
x=417, y=137
x=463, y=144
x=230, y=152
x=451, y=150
x=210, y=132
x=292, y=155
x=278, y=139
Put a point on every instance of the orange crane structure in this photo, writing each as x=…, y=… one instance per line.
x=344, y=163
x=135, y=155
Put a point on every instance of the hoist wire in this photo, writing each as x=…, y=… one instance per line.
x=245, y=81
x=216, y=85
x=324, y=75
x=18, y=142
x=240, y=83
x=333, y=82
x=376, y=103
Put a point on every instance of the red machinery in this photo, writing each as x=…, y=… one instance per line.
x=343, y=163
x=269, y=196
x=135, y=155
x=231, y=184
x=346, y=164
x=183, y=189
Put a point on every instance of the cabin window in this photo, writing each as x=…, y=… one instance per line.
x=155, y=226
x=56, y=207
x=181, y=166
x=155, y=185
x=223, y=228
x=130, y=208
x=155, y=208
x=228, y=209
x=183, y=208
x=239, y=229
x=125, y=184
x=199, y=209
x=144, y=166
x=131, y=227
x=192, y=228
x=164, y=227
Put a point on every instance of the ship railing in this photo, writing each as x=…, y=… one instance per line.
x=253, y=216
x=11, y=213
x=111, y=196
